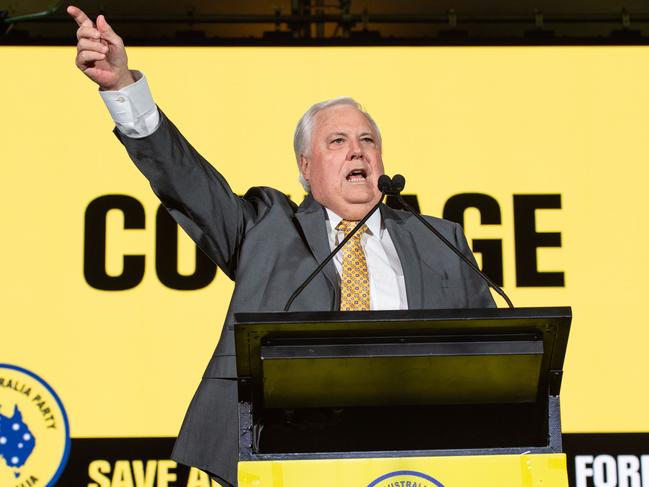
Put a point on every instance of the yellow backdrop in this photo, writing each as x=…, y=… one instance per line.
x=500, y=121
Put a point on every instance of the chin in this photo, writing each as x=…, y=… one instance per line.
x=355, y=209
x=361, y=195
x=355, y=213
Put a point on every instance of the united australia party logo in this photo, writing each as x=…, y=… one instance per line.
x=34, y=430
x=405, y=478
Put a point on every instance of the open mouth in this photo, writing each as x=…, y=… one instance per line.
x=357, y=176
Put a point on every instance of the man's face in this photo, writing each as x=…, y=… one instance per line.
x=344, y=163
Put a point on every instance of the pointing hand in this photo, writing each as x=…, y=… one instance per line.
x=100, y=52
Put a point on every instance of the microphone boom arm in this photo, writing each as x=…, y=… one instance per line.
x=475, y=268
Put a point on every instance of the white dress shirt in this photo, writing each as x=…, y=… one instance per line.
x=387, y=285
x=136, y=115
x=132, y=108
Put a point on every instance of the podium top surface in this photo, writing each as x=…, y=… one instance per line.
x=468, y=314
x=549, y=325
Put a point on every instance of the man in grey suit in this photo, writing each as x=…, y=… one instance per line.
x=267, y=243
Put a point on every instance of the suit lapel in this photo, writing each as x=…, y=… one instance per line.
x=404, y=242
x=311, y=217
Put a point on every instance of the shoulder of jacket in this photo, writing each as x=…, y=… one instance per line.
x=271, y=197
x=405, y=215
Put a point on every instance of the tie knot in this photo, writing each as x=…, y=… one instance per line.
x=347, y=226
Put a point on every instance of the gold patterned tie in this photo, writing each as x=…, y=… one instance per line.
x=355, y=283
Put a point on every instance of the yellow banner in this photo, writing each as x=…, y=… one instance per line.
x=551, y=143
x=548, y=470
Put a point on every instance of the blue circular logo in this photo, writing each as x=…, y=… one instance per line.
x=34, y=429
x=400, y=478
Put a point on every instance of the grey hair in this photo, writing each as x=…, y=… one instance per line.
x=304, y=129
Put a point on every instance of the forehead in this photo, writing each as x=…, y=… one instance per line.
x=341, y=118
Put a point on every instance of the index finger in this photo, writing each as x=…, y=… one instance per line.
x=79, y=16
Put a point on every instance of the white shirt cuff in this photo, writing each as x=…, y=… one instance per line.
x=133, y=110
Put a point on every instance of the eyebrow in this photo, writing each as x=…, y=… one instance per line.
x=345, y=134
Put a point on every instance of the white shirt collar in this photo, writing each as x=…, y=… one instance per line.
x=373, y=223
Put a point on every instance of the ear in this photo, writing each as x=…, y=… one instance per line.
x=305, y=167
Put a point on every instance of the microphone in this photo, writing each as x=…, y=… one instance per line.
x=397, y=184
x=385, y=185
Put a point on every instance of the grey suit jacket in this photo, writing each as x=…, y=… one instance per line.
x=268, y=245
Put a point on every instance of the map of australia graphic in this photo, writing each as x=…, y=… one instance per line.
x=16, y=441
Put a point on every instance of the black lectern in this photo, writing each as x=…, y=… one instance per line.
x=386, y=384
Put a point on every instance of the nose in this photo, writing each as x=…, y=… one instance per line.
x=355, y=151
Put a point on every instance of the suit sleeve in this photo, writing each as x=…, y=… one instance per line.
x=195, y=194
x=478, y=293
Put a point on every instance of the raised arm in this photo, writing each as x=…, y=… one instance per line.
x=194, y=193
